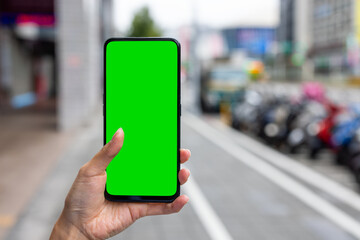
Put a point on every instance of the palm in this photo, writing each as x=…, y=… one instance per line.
x=114, y=218
x=102, y=218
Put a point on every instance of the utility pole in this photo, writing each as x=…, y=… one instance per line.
x=194, y=67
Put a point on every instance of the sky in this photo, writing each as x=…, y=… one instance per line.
x=171, y=14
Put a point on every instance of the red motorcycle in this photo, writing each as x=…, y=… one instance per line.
x=323, y=130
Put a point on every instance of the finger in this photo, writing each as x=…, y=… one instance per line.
x=183, y=175
x=101, y=160
x=184, y=155
x=167, y=208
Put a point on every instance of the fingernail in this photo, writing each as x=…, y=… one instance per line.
x=116, y=133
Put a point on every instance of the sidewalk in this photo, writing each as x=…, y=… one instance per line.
x=42, y=211
x=29, y=148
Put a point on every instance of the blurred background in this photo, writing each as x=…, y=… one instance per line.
x=270, y=100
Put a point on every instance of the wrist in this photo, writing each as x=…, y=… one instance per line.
x=63, y=229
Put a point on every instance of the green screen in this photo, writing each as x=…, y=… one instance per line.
x=141, y=96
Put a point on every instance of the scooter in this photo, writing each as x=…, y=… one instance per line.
x=344, y=135
x=245, y=114
x=354, y=155
x=272, y=127
x=305, y=126
x=324, y=128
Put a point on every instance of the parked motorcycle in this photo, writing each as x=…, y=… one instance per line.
x=275, y=120
x=344, y=136
x=354, y=149
x=323, y=137
x=305, y=127
x=245, y=114
x=310, y=121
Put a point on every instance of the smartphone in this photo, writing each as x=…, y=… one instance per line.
x=142, y=96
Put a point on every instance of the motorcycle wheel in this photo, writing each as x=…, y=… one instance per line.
x=204, y=106
x=235, y=124
x=342, y=158
x=313, y=153
x=356, y=168
x=315, y=145
x=293, y=149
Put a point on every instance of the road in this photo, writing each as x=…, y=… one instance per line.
x=239, y=189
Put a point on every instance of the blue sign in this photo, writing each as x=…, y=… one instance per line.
x=255, y=41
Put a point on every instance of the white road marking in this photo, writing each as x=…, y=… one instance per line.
x=302, y=172
x=290, y=185
x=207, y=215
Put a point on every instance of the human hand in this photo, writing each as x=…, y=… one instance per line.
x=88, y=215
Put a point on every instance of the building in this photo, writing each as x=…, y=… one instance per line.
x=53, y=50
x=27, y=52
x=334, y=43
x=285, y=30
x=303, y=40
x=318, y=40
x=294, y=40
x=285, y=39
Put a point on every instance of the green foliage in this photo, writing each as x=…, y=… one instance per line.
x=143, y=25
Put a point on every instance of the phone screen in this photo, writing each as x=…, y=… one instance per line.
x=142, y=97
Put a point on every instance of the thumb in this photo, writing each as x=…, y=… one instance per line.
x=101, y=160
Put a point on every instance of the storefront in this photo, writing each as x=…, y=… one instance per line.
x=27, y=52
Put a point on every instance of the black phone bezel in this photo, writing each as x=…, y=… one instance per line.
x=127, y=198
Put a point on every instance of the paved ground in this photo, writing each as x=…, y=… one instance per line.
x=29, y=147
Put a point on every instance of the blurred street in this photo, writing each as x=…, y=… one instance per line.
x=239, y=189
x=270, y=111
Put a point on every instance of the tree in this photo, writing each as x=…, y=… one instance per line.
x=143, y=25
